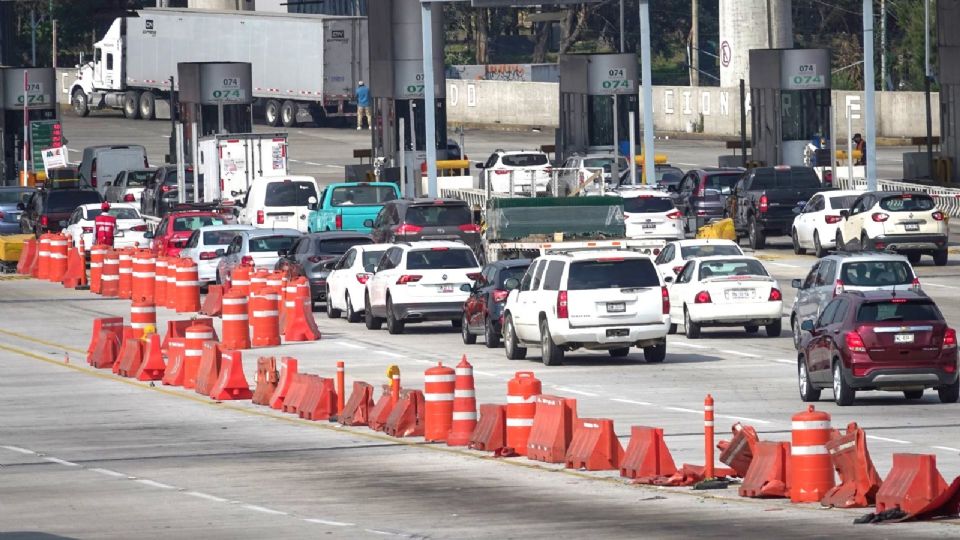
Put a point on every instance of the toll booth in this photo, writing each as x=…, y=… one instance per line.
x=42, y=113
x=397, y=87
x=218, y=96
x=948, y=19
x=790, y=103
x=597, y=94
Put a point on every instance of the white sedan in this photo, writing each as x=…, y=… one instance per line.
x=347, y=281
x=725, y=291
x=815, y=226
x=676, y=254
x=650, y=213
x=130, y=226
x=203, y=245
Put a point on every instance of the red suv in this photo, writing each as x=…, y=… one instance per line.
x=173, y=232
x=878, y=340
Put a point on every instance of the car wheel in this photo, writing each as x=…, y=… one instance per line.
x=843, y=395
x=672, y=329
x=511, y=345
x=490, y=335
x=949, y=393
x=655, y=354
x=550, y=354
x=332, y=313
x=79, y=102
x=773, y=329
x=456, y=323
x=808, y=392
x=690, y=328
x=817, y=246
x=352, y=315
x=841, y=245
x=913, y=257
x=394, y=326
x=940, y=257
x=751, y=328
x=755, y=235
x=619, y=353
x=796, y=244
x=371, y=322
x=913, y=394
x=468, y=338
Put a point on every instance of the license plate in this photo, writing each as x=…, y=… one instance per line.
x=649, y=225
x=911, y=226
x=281, y=218
x=616, y=307
x=903, y=338
x=739, y=294
x=446, y=288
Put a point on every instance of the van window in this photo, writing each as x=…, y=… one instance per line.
x=440, y=259
x=363, y=195
x=612, y=273
x=288, y=193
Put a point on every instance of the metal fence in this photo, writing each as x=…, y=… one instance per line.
x=947, y=199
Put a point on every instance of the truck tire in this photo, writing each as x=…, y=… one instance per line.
x=940, y=257
x=271, y=113
x=288, y=114
x=131, y=105
x=755, y=235
x=79, y=102
x=318, y=114
x=550, y=353
x=511, y=345
x=148, y=109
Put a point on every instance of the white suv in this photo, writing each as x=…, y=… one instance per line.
x=650, y=213
x=420, y=281
x=524, y=166
x=906, y=222
x=597, y=300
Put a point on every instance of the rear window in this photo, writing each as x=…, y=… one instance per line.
x=440, y=259
x=438, y=215
x=338, y=246
x=171, y=178
x=193, y=223
x=67, y=201
x=876, y=273
x=605, y=163
x=733, y=267
x=362, y=195
x=517, y=272
x=371, y=258
x=667, y=175
x=265, y=244
x=647, y=204
x=892, y=310
x=690, y=252
x=289, y=193
x=138, y=178
x=119, y=213
x=722, y=182
x=12, y=196
x=907, y=202
x=612, y=274
x=219, y=238
x=841, y=202
x=794, y=177
x=524, y=160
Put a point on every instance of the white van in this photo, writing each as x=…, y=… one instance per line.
x=278, y=202
x=101, y=164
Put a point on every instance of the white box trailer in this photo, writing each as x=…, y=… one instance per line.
x=230, y=163
x=300, y=63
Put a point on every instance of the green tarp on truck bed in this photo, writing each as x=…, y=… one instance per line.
x=517, y=218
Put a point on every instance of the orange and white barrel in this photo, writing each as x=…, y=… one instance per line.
x=171, y=287
x=126, y=273
x=464, y=406
x=811, y=469
x=265, y=318
x=142, y=314
x=195, y=336
x=188, y=287
x=97, y=253
x=110, y=278
x=236, y=327
x=42, y=269
x=160, y=281
x=438, y=387
x=522, y=392
x=240, y=279
x=57, y=267
x=144, y=275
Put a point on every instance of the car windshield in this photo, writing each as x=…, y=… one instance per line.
x=289, y=193
x=841, y=202
x=667, y=175
x=731, y=267
x=193, y=223
x=337, y=246
x=791, y=177
x=13, y=196
x=138, y=178
x=647, y=204
x=171, y=178
x=264, y=244
x=722, y=182
x=439, y=215
x=119, y=213
x=876, y=273
x=370, y=259
x=707, y=250
x=899, y=309
x=524, y=160
x=67, y=201
x=363, y=195
x=440, y=259
x=219, y=238
x=511, y=272
x=612, y=273
x=908, y=202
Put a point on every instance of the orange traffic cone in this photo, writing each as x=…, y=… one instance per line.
x=152, y=367
x=300, y=324
x=232, y=383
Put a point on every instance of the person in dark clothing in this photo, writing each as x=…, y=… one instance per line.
x=860, y=145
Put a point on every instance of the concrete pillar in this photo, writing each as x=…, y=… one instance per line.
x=744, y=26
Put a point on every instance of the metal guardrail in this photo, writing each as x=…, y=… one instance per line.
x=947, y=199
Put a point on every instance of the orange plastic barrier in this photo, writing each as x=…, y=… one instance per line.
x=97, y=253
x=438, y=388
x=160, y=281
x=356, y=412
x=464, y=419
x=110, y=277
x=267, y=379
x=810, y=465
x=126, y=273
x=27, y=255
x=522, y=392
x=42, y=269
x=552, y=428
x=107, y=348
x=130, y=358
x=912, y=484
x=58, y=246
x=142, y=314
x=769, y=472
x=113, y=324
x=75, y=274
x=288, y=368
x=406, y=419
x=213, y=301
x=265, y=318
x=144, y=275
x=196, y=335
x=381, y=410
x=298, y=391
x=738, y=452
x=288, y=299
x=320, y=402
x=491, y=431
x=594, y=446
x=232, y=383
x=187, y=287
x=300, y=324
x=176, y=352
x=859, y=480
x=177, y=329
x=209, y=369
x=647, y=455
x=153, y=367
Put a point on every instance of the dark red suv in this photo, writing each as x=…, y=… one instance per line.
x=878, y=340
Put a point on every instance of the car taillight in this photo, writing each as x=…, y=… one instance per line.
x=664, y=301
x=44, y=221
x=93, y=173
x=838, y=287
x=259, y=217
x=855, y=342
x=88, y=229
x=408, y=278
x=674, y=215
x=246, y=260
x=473, y=276
x=501, y=171
x=775, y=295
x=764, y=204
x=677, y=269
x=469, y=228
x=562, y=311
x=832, y=219
x=338, y=222
x=950, y=339
x=879, y=217
x=828, y=177
x=139, y=228
x=701, y=212
x=362, y=278
x=166, y=189
x=500, y=295
x=406, y=228
x=128, y=197
x=916, y=285
x=937, y=216
x=208, y=255
x=703, y=297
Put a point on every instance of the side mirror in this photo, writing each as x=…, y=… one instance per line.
x=668, y=279
x=282, y=252
x=844, y=214
x=798, y=210
x=236, y=212
x=368, y=223
x=221, y=252
x=673, y=188
x=20, y=206
x=63, y=224
x=108, y=183
x=478, y=164
x=807, y=326
x=149, y=235
x=511, y=284
x=795, y=283
x=312, y=203
x=466, y=288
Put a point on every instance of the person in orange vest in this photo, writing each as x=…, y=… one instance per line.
x=105, y=226
x=861, y=145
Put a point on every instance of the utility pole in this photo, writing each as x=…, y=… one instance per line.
x=623, y=43
x=769, y=25
x=927, y=76
x=883, y=45
x=869, y=97
x=646, y=94
x=695, y=43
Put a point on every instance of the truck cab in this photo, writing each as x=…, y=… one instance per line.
x=95, y=80
x=346, y=206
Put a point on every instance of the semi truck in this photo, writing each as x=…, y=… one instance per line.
x=230, y=163
x=302, y=64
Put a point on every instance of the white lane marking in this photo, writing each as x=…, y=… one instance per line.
x=20, y=450
x=350, y=345
x=691, y=345
x=60, y=461
x=328, y=522
x=572, y=391
x=898, y=441
x=484, y=373
x=108, y=472
x=782, y=264
x=392, y=354
x=151, y=483
x=630, y=401
x=256, y=508
x=205, y=496
x=748, y=355
x=947, y=448
x=425, y=362
x=782, y=361
x=743, y=418
x=928, y=284
x=681, y=409
x=385, y=533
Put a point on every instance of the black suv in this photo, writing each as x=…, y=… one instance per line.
x=160, y=194
x=410, y=220
x=763, y=200
x=488, y=295
x=45, y=208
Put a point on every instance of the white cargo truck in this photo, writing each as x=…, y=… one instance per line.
x=230, y=163
x=302, y=64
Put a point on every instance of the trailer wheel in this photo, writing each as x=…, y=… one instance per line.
x=148, y=109
x=271, y=113
x=79, y=102
x=288, y=113
x=131, y=105
x=318, y=115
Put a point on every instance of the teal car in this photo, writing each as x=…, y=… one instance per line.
x=345, y=206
